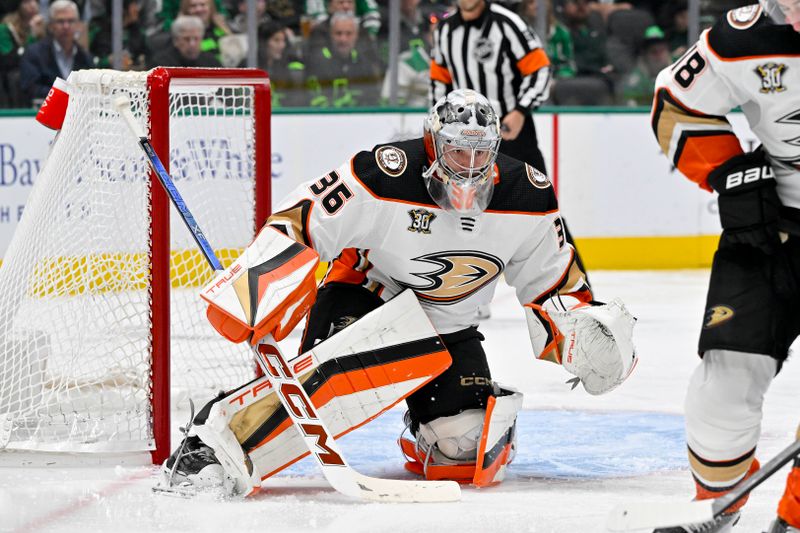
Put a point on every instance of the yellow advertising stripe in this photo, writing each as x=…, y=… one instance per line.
x=647, y=253
x=119, y=272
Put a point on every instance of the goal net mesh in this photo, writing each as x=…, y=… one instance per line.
x=75, y=299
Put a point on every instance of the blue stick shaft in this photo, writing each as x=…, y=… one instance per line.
x=177, y=201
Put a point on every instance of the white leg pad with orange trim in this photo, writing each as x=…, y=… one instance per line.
x=473, y=446
x=350, y=378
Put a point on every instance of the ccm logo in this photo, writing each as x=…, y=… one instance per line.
x=749, y=176
x=224, y=279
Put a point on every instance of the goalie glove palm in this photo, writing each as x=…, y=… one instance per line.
x=597, y=344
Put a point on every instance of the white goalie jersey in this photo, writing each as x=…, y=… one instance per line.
x=744, y=61
x=374, y=220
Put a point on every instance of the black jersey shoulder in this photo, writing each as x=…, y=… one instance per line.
x=393, y=171
x=736, y=36
x=521, y=188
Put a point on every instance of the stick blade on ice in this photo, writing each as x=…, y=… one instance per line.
x=648, y=515
x=407, y=491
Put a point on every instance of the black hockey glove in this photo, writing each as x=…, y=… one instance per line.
x=748, y=202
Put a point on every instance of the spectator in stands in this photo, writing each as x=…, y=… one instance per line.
x=338, y=74
x=320, y=11
x=678, y=28
x=172, y=8
x=20, y=28
x=134, y=46
x=185, y=49
x=214, y=23
x=414, y=30
x=238, y=24
x=320, y=31
x=637, y=87
x=588, y=38
x=559, y=41
x=413, y=64
x=286, y=72
x=56, y=55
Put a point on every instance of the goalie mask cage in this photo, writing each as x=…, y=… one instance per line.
x=98, y=291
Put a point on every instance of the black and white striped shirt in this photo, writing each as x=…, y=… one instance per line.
x=496, y=55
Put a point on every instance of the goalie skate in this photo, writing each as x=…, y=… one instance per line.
x=193, y=468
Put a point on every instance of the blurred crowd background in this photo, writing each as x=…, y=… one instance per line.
x=336, y=53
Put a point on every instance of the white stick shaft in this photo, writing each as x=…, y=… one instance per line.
x=647, y=515
x=123, y=106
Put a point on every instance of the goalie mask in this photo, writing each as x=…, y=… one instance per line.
x=783, y=12
x=462, y=135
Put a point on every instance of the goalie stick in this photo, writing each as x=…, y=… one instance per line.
x=315, y=433
x=649, y=515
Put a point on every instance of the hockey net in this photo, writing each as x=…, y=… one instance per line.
x=99, y=291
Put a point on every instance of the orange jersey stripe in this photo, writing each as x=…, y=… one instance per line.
x=703, y=153
x=533, y=61
x=440, y=73
x=343, y=270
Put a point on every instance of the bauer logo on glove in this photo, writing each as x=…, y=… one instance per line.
x=268, y=289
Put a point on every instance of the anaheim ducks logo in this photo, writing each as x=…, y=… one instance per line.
x=536, y=178
x=717, y=315
x=744, y=17
x=458, y=275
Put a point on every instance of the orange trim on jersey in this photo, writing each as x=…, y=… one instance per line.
x=440, y=73
x=744, y=58
x=560, y=279
x=702, y=154
x=343, y=271
x=533, y=61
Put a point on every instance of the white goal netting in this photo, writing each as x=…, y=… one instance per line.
x=75, y=298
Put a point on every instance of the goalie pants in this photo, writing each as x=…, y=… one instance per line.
x=467, y=384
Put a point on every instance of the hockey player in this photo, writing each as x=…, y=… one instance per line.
x=443, y=216
x=749, y=59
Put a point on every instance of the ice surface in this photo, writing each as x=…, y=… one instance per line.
x=579, y=455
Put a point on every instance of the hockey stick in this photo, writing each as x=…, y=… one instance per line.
x=648, y=515
x=290, y=391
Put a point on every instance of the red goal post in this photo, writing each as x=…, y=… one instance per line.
x=159, y=82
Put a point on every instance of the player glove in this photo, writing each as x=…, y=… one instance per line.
x=748, y=201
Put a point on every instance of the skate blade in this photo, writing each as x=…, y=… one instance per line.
x=175, y=491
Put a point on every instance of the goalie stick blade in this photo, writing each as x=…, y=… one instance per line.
x=406, y=491
x=649, y=515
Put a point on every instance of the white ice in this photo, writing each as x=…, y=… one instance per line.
x=579, y=455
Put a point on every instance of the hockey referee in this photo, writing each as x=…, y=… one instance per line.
x=487, y=48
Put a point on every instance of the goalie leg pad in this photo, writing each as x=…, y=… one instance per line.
x=473, y=446
x=389, y=353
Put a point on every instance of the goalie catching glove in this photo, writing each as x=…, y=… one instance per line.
x=592, y=342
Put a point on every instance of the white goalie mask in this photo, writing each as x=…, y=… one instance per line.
x=783, y=12
x=462, y=135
